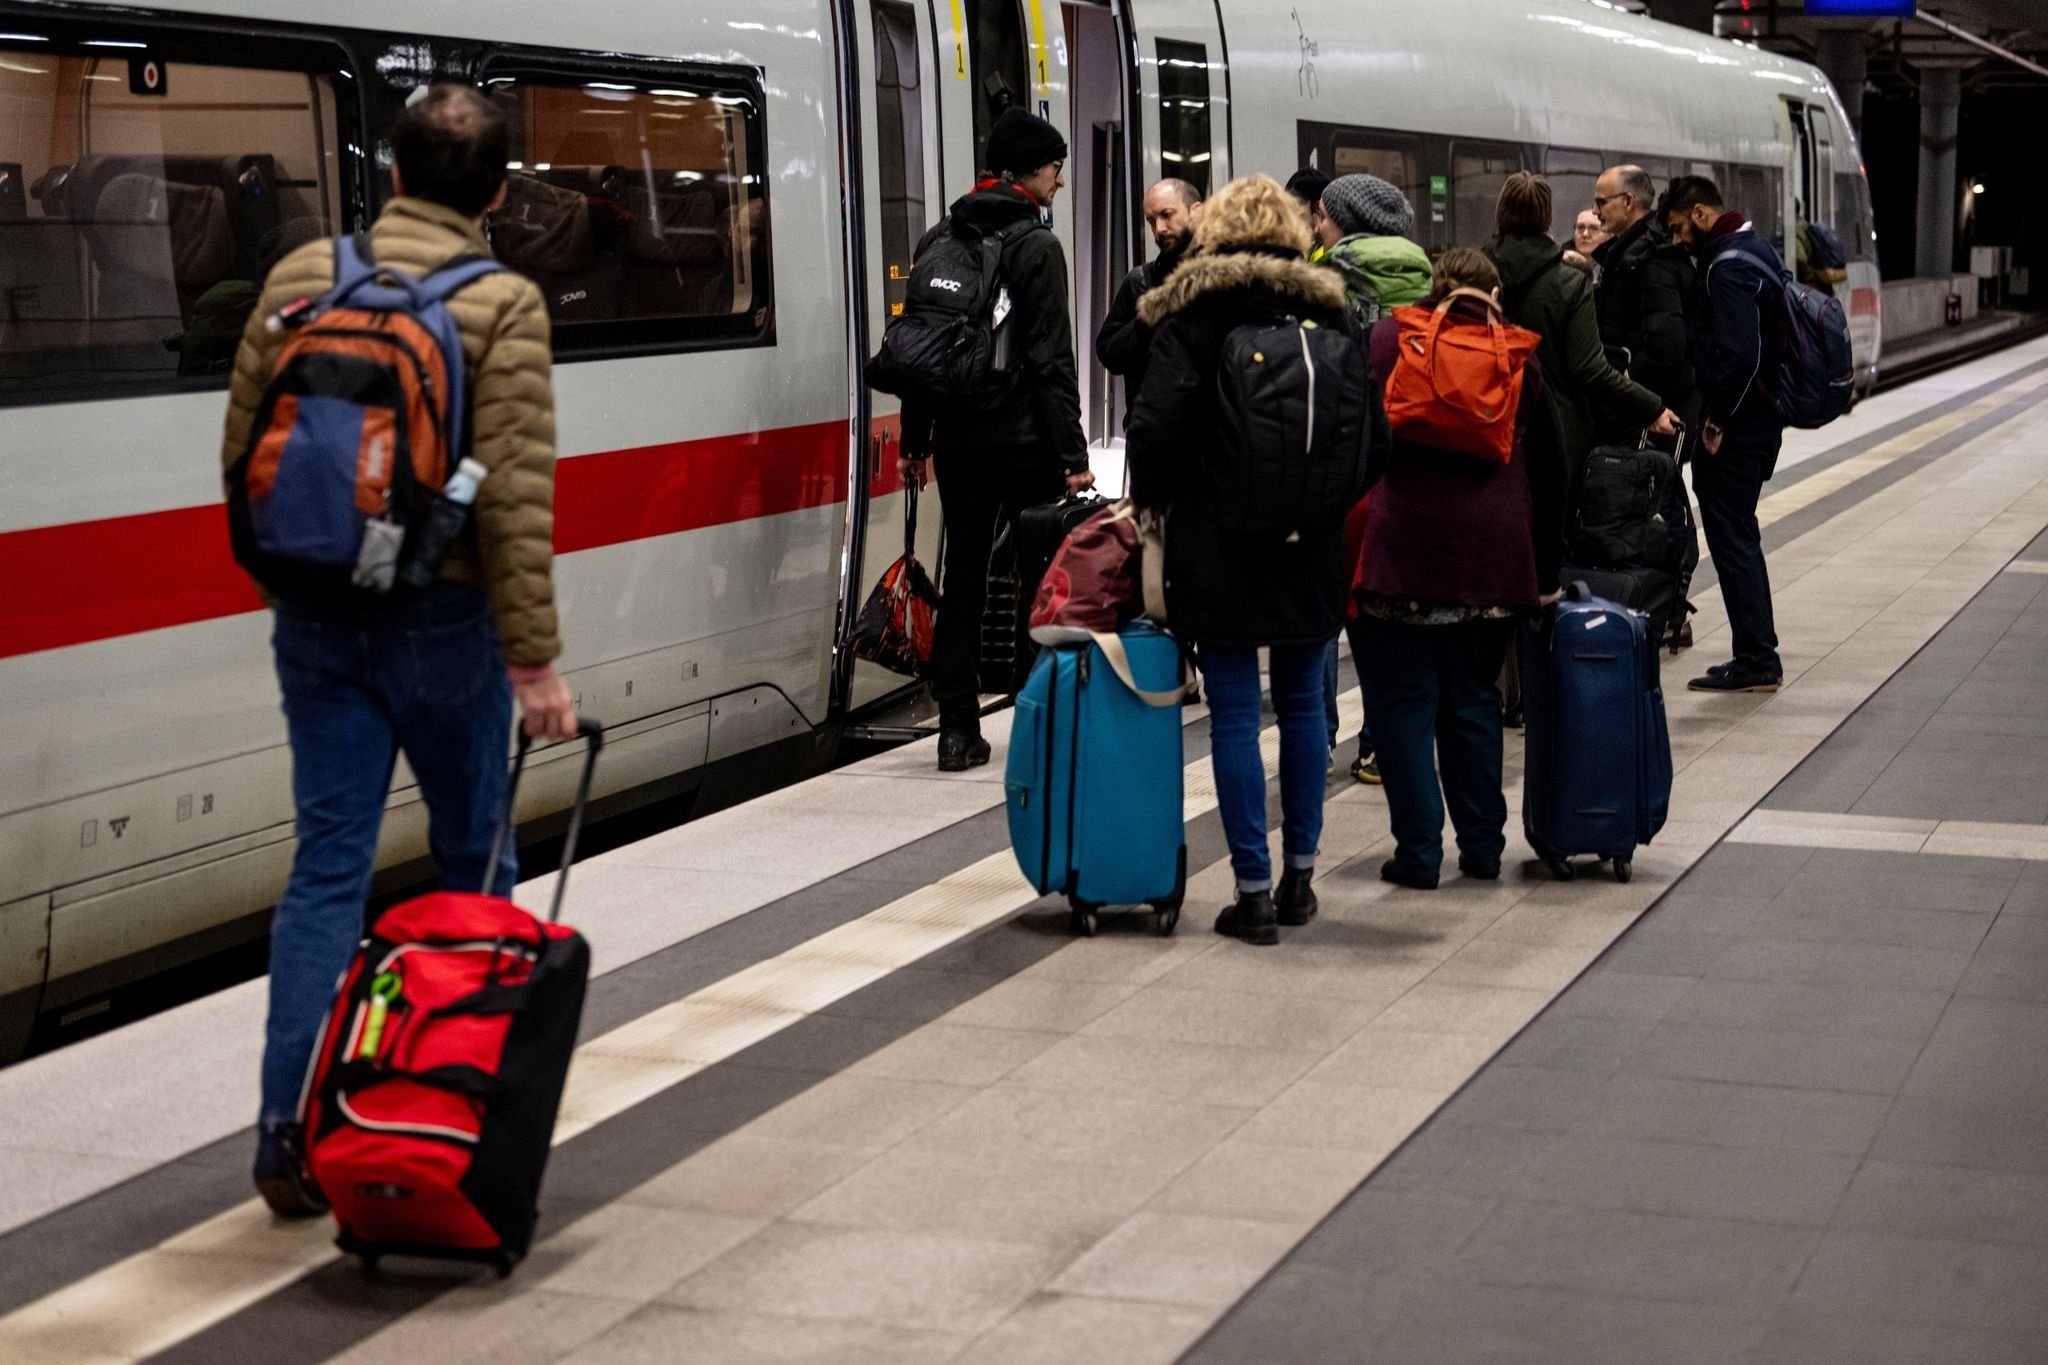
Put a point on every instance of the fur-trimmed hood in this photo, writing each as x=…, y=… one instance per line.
x=1209, y=272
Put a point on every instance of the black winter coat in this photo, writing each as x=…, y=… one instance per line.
x=1646, y=281
x=1123, y=344
x=1220, y=589
x=1040, y=405
x=1734, y=317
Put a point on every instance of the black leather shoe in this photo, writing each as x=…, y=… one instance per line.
x=1402, y=874
x=1252, y=918
x=1294, y=900
x=1736, y=678
x=958, y=753
x=1479, y=869
x=281, y=1176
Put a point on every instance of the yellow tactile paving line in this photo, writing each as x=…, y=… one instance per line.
x=157, y=1298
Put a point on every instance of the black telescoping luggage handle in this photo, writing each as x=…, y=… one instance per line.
x=589, y=730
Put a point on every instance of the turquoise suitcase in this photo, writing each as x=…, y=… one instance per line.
x=1094, y=780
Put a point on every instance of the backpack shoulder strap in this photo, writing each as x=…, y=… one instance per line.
x=353, y=262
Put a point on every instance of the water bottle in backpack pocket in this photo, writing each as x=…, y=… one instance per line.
x=361, y=426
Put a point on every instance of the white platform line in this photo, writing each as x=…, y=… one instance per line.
x=1885, y=834
x=155, y=1299
x=2027, y=566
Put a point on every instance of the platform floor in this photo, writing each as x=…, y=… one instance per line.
x=848, y=1092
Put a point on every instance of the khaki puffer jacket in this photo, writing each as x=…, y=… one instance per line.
x=504, y=325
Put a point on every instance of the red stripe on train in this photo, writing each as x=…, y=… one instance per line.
x=94, y=580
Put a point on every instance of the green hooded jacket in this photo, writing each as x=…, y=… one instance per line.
x=1554, y=300
x=1380, y=274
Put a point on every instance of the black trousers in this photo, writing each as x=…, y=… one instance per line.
x=1728, y=484
x=980, y=490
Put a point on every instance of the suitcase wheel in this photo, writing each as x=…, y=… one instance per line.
x=1561, y=869
x=1624, y=867
x=370, y=1264
x=1083, y=921
x=1165, y=919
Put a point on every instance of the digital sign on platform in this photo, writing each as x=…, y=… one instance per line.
x=1859, y=9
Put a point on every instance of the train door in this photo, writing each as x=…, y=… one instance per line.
x=1101, y=183
x=903, y=193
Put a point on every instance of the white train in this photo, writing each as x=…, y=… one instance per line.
x=720, y=201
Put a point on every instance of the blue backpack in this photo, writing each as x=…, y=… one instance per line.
x=1816, y=374
x=362, y=423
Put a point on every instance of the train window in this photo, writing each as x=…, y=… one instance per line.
x=142, y=200
x=899, y=142
x=1184, y=148
x=1389, y=156
x=1478, y=170
x=1850, y=223
x=1758, y=193
x=636, y=206
x=1572, y=175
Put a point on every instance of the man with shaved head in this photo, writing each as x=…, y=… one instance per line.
x=1124, y=343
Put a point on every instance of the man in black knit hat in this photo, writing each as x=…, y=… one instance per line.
x=1025, y=445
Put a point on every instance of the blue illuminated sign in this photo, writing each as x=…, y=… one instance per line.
x=1860, y=9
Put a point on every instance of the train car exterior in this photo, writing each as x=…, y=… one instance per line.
x=720, y=202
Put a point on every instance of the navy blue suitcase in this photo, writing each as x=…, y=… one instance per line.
x=1597, y=768
x=1093, y=780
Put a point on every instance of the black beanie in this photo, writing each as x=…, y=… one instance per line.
x=1020, y=143
x=1307, y=185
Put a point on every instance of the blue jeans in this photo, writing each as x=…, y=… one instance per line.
x=1330, y=690
x=1432, y=694
x=426, y=680
x=1230, y=673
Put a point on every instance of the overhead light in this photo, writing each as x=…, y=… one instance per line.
x=22, y=38
x=1976, y=187
x=112, y=42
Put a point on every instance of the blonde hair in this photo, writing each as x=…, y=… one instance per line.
x=1464, y=267
x=1253, y=211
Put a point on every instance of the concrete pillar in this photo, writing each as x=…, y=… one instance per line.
x=1941, y=91
x=1844, y=57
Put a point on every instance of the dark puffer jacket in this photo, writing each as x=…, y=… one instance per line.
x=1645, y=281
x=1555, y=302
x=1040, y=405
x=1221, y=589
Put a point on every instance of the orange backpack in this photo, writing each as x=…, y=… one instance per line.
x=1458, y=382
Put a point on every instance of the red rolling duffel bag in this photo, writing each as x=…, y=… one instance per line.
x=430, y=1106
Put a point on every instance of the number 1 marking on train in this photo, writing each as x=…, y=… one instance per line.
x=959, y=42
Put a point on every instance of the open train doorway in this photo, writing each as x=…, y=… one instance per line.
x=1102, y=185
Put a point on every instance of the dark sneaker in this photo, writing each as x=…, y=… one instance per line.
x=958, y=753
x=281, y=1176
x=1294, y=900
x=1405, y=874
x=1366, y=768
x=1736, y=678
x=1681, y=638
x=1252, y=918
x=1513, y=718
x=1479, y=869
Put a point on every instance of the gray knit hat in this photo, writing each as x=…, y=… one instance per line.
x=1366, y=203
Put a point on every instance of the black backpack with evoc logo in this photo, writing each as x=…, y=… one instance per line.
x=945, y=350
x=1297, y=407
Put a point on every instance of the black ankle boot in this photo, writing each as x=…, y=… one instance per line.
x=1251, y=917
x=1406, y=874
x=958, y=752
x=1479, y=869
x=1294, y=900
x=281, y=1176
